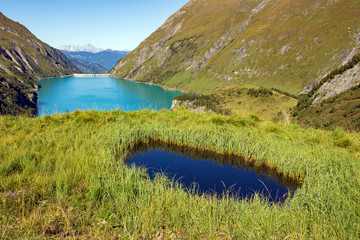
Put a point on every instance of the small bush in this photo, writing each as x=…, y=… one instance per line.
x=283, y=92
x=304, y=102
x=85, y=118
x=328, y=123
x=225, y=111
x=12, y=167
x=211, y=102
x=218, y=121
x=338, y=133
x=250, y=122
x=236, y=122
x=255, y=118
x=47, y=118
x=343, y=143
x=313, y=140
x=272, y=128
x=261, y=92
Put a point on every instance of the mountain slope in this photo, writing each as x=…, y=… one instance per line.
x=106, y=58
x=87, y=67
x=272, y=43
x=23, y=59
x=334, y=100
x=340, y=111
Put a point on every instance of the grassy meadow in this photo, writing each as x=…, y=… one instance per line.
x=73, y=164
x=239, y=99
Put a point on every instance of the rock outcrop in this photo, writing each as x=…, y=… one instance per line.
x=176, y=104
x=334, y=100
x=339, y=84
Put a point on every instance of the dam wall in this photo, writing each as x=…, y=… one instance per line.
x=90, y=75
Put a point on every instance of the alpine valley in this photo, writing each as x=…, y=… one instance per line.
x=272, y=89
x=24, y=59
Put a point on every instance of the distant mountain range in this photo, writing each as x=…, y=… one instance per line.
x=105, y=58
x=82, y=48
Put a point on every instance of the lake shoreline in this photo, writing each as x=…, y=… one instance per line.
x=109, y=75
x=77, y=75
x=105, y=93
x=151, y=83
x=62, y=76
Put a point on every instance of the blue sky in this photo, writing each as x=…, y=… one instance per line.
x=115, y=24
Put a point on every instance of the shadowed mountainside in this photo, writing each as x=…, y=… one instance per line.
x=106, y=58
x=83, y=67
x=23, y=59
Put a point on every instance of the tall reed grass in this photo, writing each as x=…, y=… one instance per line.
x=75, y=162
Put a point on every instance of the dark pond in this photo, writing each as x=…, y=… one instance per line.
x=212, y=173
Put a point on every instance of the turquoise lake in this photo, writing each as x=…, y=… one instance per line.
x=67, y=94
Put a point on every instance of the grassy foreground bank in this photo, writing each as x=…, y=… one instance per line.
x=74, y=162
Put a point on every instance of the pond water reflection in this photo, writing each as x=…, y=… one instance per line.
x=212, y=172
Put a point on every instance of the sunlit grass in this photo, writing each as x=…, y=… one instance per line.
x=76, y=163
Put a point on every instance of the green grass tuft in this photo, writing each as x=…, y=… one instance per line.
x=75, y=163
